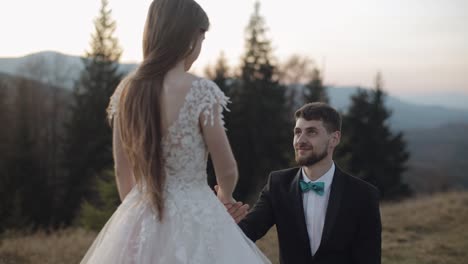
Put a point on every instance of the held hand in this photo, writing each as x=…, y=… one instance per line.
x=237, y=210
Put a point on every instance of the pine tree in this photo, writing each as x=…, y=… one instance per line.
x=315, y=90
x=354, y=121
x=374, y=153
x=89, y=138
x=258, y=126
x=95, y=215
x=51, y=114
x=219, y=73
x=27, y=189
x=6, y=203
x=4, y=133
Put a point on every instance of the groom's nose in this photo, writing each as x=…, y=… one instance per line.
x=299, y=143
x=300, y=138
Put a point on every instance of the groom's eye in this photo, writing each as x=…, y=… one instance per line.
x=311, y=132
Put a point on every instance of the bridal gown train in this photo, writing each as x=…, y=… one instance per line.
x=196, y=227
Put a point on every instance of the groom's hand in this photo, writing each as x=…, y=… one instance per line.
x=237, y=210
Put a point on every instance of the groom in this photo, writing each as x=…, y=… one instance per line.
x=322, y=214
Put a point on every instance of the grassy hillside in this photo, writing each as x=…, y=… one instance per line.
x=423, y=230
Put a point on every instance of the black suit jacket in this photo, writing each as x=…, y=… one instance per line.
x=352, y=229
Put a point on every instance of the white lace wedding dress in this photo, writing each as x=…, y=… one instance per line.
x=196, y=227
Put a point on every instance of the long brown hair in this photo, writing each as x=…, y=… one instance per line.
x=172, y=28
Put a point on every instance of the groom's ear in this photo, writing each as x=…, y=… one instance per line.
x=336, y=138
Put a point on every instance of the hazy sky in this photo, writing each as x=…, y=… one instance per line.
x=420, y=46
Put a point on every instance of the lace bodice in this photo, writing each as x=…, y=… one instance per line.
x=196, y=227
x=184, y=149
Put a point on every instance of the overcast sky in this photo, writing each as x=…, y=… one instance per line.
x=420, y=46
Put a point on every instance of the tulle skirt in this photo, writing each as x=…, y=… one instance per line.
x=195, y=229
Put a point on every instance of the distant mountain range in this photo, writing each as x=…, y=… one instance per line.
x=60, y=69
x=63, y=70
x=435, y=135
x=405, y=115
x=438, y=158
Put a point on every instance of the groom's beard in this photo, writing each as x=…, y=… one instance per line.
x=312, y=158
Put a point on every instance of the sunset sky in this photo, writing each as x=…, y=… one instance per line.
x=420, y=46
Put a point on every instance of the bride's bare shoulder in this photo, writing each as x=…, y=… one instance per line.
x=191, y=78
x=180, y=81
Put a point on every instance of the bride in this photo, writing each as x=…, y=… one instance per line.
x=165, y=121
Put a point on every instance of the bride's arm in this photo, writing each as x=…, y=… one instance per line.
x=123, y=172
x=221, y=154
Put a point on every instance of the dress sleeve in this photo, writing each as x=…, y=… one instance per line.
x=213, y=102
x=113, y=107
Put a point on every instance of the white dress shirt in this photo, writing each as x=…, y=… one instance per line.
x=315, y=208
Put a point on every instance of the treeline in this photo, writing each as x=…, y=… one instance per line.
x=56, y=166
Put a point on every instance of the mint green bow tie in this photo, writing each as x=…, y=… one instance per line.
x=317, y=187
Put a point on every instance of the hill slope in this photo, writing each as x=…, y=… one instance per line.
x=422, y=230
x=417, y=231
x=405, y=115
x=438, y=158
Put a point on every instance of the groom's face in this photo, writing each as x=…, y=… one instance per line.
x=311, y=142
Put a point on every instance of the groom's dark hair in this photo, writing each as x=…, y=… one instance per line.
x=321, y=111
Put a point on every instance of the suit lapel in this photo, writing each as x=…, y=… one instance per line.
x=296, y=196
x=334, y=202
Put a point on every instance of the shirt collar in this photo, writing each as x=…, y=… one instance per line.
x=327, y=178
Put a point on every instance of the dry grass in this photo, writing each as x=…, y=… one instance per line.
x=269, y=246
x=427, y=230
x=424, y=230
x=64, y=246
